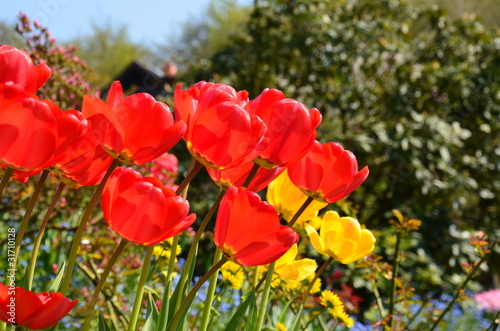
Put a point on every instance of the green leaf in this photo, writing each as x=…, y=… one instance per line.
x=181, y=290
x=252, y=316
x=150, y=324
x=56, y=283
x=181, y=325
x=240, y=312
x=152, y=319
x=163, y=317
x=103, y=326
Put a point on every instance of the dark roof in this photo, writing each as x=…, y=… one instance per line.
x=137, y=79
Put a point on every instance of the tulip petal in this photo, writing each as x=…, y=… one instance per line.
x=288, y=257
x=315, y=240
x=297, y=270
x=141, y=209
x=267, y=249
x=55, y=307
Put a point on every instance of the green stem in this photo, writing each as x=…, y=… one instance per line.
x=29, y=210
x=290, y=224
x=251, y=174
x=38, y=240
x=256, y=276
x=459, y=290
x=261, y=281
x=194, y=245
x=189, y=298
x=163, y=318
x=300, y=211
x=101, y=282
x=5, y=179
x=315, y=317
x=81, y=228
x=494, y=323
x=140, y=288
x=210, y=293
x=308, y=290
x=395, y=270
x=323, y=326
x=265, y=296
x=378, y=299
x=3, y=326
x=196, y=166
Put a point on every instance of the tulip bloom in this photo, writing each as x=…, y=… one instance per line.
x=34, y=311
x=36, y=133
x=83, y=165
x=186, y=101
x=341, y=238
x=248, y=231
x=327, y=173
x=17, y=67
x=236, y=176
x=291, y=127
x=290, y=270
x=142, y=210
x=28, y=129
x=287, y=199
x=221, y=133
x=135, y=129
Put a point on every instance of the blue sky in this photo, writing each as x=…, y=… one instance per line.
x=148, y=21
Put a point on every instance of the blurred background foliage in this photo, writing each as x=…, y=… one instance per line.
x=411, y=87
x=411, y=91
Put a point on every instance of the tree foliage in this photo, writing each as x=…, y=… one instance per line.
x=486, y=10
x=201, y=38
x=9, y=36
x=413, y=93
x=108, y=51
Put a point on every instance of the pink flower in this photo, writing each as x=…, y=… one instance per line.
x=489, y=300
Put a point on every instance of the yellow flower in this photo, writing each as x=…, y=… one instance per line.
x=232, y=274
x=303, y=285
x=335, y=307
x=289, y=269
x=317, y=284
x=165, y=249
x=280, y=327
x=341, y=238
x=290, y=272
x=287, y=199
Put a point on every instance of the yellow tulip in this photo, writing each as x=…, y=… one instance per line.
x=289, y=272
x=287, y=199
x=341, y=238
x=289, y=269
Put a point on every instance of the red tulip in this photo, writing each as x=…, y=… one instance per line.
x=35, y=133
x=71, y=131
x=28, y=129
x=18, y=175
x=141, y=209
x=186, y=101
x=291, y=127
x=34, y=311
x=236, y=176
x=327, y=173
x=248, y=230
x=83, y=165
x=17, y=67
x=135, y=129
x=221, y=133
